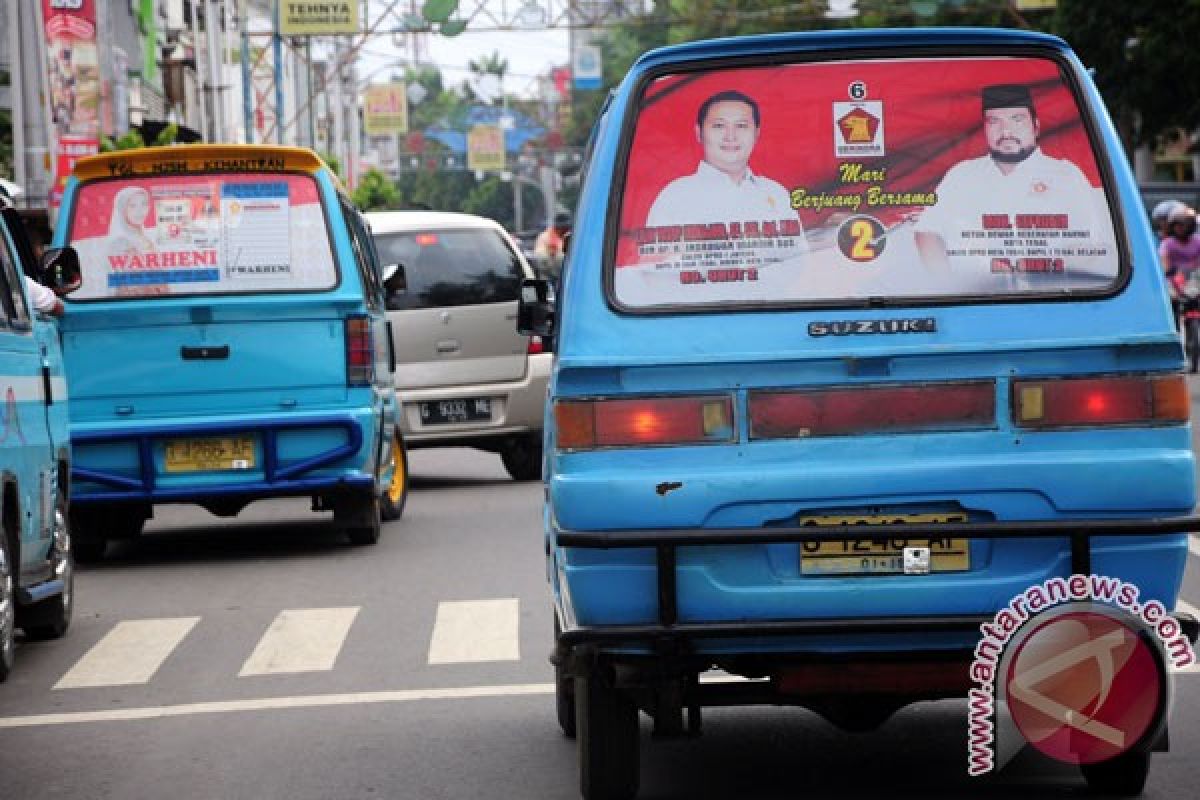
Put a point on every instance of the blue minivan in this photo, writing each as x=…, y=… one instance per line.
x=36, y=566
x=228, y=342
x=861, y=338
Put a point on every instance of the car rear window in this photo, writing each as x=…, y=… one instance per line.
x=450, y=268
x=201, y=234
x=902, y=178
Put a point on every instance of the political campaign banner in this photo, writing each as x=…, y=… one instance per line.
x=73, y=83
x=809, y=182
x=485, y=148
x=385, y=109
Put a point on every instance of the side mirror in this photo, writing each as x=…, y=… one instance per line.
x=61, y=270
x=535, y=309
x=394, y=279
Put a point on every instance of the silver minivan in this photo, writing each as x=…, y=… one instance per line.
x=463, y=374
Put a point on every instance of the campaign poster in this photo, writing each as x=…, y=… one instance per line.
x=73, y=73
x=201, y=234
x=849, y=180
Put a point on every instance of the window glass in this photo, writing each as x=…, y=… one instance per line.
x=201, y=234
x=845, y=180
x=364, y=254
x=451, y=268
x=12, y=297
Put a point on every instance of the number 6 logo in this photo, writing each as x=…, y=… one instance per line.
x=857, y=90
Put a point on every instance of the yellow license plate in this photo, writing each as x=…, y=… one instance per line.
x=208, y=454
x=879, y=554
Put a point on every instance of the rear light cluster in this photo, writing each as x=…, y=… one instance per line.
x=586, y=424
x=1089, y=402
x=839, y=412
x=360, y=352
x=843, y=411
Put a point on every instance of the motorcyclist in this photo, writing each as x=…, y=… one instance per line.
x=1180, y=248
x=1158, y=217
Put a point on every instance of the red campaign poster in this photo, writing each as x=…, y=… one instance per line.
x=73, y=70
x=889, y=177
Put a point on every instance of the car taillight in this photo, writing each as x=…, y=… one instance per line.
x=360, y=352
x=586, y=424
x=1087, y=402
x=877, y=409
x=535, y=346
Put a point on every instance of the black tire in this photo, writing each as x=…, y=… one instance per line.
x=1123, y=776
x=391, y=504
x=607, y=736
x=522, y=457
x=88, y=548
x=8, y=610
x=363, y=522
x=50, y=618
x=1192, y=342
x=564, y=693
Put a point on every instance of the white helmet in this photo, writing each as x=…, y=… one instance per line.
x=1164, y=209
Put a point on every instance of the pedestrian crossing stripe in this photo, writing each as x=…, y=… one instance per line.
x=301, y=640
x=474, y=631
x=129, y=654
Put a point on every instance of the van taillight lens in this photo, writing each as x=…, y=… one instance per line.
x=535, y=346
x=360, y=352
x=586, y=424
x=878, y=409
x=1088, y=402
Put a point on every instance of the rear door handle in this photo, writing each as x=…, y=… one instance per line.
x=448, y=346
x=209, y=353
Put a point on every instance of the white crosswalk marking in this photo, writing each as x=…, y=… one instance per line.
x=301, y=640
x=129, y=654
x=475, y=630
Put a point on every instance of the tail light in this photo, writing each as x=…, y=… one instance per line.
x=587, y=424
x=360, y=352
x=1089, y=402
x=535, y=346
x=899, y=409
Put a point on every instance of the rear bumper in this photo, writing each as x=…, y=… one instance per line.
x=667, y=633
x=517, y=407
x=277, y=475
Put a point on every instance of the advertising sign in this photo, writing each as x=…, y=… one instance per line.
x=385, y=109
x=587, y=67
x=317, y=17
x=485, y=148
x=919, y=178
x=73, y=73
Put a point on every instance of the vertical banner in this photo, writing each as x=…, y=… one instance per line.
x=485, y=148
x=73, y=72
x=385, y=109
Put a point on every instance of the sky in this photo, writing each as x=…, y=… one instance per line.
x=529, y=53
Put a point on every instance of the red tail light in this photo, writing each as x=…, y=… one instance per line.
x=587, y=424
x=360, y=352
x=1088, y=402
x=882, y=409
x=535, y=346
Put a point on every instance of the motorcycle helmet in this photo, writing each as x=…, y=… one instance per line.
x=1183, y=216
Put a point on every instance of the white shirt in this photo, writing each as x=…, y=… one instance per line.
x=1038, y=185
x=709, y=196
x=43, y=299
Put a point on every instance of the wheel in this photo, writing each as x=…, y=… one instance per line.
x=391, y=505
x=361, y=520
x=50, y=618
x=8, y=611
x=564, y=693
x=607, y=735
x=1123, y=776
x=94, y=528
x=522, y=457
x=1192, y=342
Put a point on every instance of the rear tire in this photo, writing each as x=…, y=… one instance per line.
x=607, y=736
x=564, y=693
x=1191, y=342
x=362, y=520
x=1123, y=776
x=50, y=618
x=522, y=457
x=391, y=505
x=8, y=610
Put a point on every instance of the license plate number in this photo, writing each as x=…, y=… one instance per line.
x=210, y=453
x=441, y=412
x=880, y=554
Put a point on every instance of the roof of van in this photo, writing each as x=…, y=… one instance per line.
x=397, y=221
x=177, y=159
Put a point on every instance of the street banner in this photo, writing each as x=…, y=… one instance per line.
x=485, y=148
x=863, y=178
x=385, y=109
x=587, y=67
x=73, y=73
x=317, y=17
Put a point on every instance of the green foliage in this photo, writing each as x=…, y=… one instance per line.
x=492, y=198
x=376, y=192
x=131, y=140
x=331, y=161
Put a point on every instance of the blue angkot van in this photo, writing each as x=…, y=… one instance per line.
x=228, y=342
x=861, y=335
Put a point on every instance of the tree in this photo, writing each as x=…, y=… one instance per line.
x=376, y=192
x=492, y=198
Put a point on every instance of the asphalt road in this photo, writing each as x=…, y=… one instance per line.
x=263, y=657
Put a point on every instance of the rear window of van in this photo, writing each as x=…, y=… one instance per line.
x=845, y=181
x=201, y=235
